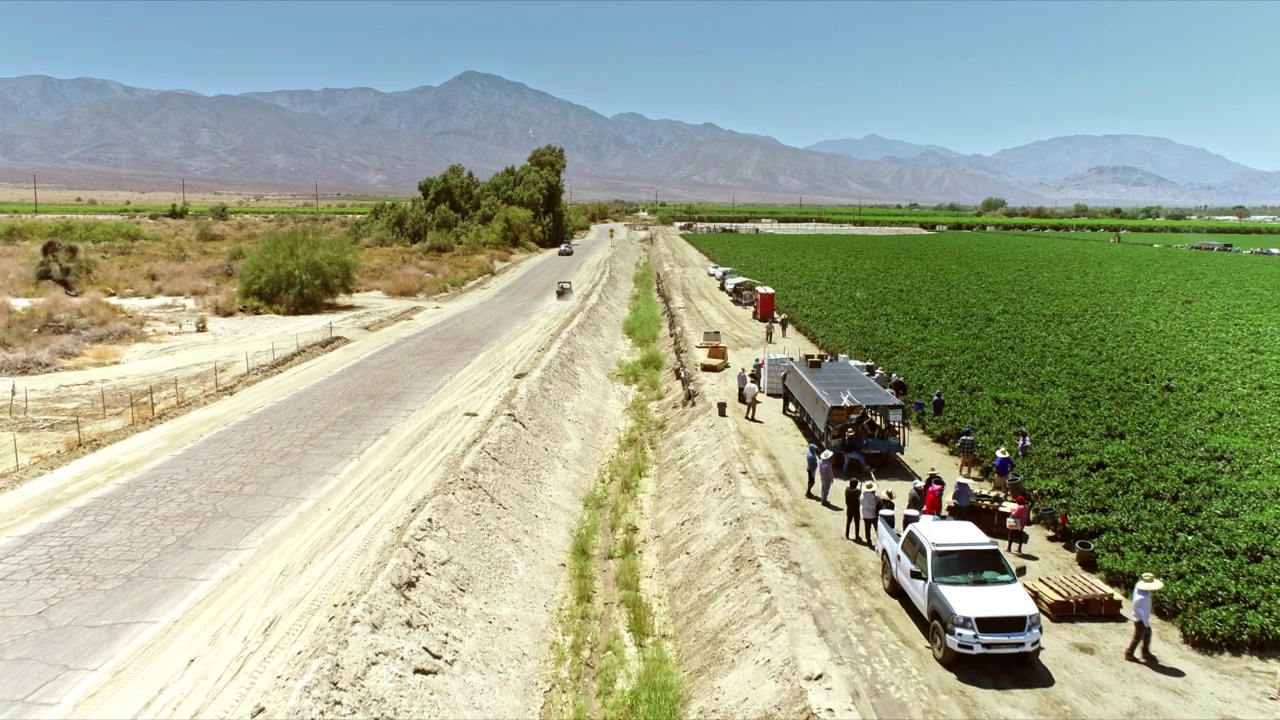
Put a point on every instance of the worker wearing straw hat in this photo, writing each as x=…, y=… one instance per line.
x=1142, y=590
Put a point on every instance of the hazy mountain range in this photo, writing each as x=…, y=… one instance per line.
x=99, y=133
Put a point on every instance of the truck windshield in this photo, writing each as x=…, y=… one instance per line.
x=971, y=567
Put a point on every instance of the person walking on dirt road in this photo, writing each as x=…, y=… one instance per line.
x=1142, y=590
x=851, y=493
x=868, y=503
x=915, y=498
x=938, y=403
x=742, y=384
x=768, y=331
x=826, y=474
x=1016, y=524
x=784, y=322
x=966, y=446
x=751, y=393
x=810, y=467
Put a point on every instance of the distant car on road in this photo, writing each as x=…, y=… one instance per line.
x=566, y=249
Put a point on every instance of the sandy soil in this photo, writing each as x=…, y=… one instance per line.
x=175, y=365
x=460, y=621
x=389, y=594
x=776, y=613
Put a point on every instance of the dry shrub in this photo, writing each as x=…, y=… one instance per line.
x=224, y=304
x=499, y=256
x=404, y=282
x=435, y=268
x=433, y=286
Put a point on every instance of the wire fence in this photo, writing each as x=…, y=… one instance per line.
x=43, y=423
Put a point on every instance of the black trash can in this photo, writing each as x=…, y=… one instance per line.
x=722, y=407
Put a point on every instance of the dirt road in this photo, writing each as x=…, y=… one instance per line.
x=219, y=539
x=776, y=613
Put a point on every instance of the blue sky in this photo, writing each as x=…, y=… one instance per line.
x=975, y=77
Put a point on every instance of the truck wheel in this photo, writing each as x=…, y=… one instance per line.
x=886, y=575
x=938, y=643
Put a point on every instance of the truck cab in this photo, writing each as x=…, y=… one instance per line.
x=961, y=583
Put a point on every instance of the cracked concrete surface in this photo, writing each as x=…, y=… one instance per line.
x=77, y=589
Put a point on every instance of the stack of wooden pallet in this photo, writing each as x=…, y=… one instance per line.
x=1065, y=596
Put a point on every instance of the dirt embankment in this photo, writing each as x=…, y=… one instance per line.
x=771, y=604
x=459, y=622
x=744, y=642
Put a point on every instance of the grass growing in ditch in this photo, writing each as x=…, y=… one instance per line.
x=632, y=675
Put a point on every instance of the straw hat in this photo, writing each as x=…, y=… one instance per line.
x=962, y=480
x=1149, y=582
x=869, y=486
x=1002, y=453
x=918, y=483
x=826, y=454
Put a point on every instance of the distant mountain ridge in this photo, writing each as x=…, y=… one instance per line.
x=362, y=139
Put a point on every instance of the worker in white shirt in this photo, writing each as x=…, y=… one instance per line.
x=749, y=394
x=742, y=384
x=1142, y=617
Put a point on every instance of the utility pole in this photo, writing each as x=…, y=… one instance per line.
x=734, y=203
x=35, y=193
x=317, y=197
x=184, y=192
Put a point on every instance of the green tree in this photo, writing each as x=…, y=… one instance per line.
x=1079, y=210
x=1241, y=212
x=992, y=204
x=296, y=271
x=455, y=188
x=515, y=227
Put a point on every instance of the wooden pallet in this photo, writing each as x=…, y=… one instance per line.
x=1065, y=596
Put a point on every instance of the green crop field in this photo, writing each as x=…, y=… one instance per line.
x=1146, y=376
x=954, y=219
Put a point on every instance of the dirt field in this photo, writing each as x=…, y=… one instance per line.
x=58, y=195
x=174, y=365
x=778, y=614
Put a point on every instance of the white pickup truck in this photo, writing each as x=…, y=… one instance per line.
x=962, y=585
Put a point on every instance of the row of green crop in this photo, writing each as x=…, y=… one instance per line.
x=968, y=222
x=1146, y=377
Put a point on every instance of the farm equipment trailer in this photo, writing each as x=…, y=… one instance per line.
x=829, y=396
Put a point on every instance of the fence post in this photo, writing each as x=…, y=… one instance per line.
x=330, y=328
x=152, y=389
x=79, y=437
x=177, y=399
x=24, y=401
x=133, y=417
x=296, y=344
x=273, y=351
x=104, y=402
x=215, y=377
x=246, y=362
